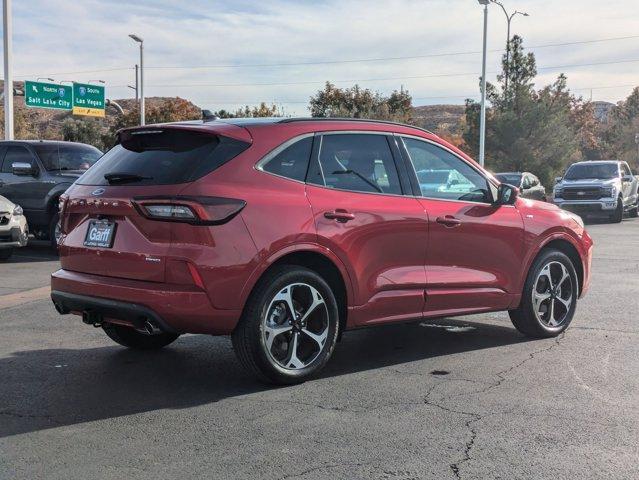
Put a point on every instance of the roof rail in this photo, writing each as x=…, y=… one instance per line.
x=341, y=119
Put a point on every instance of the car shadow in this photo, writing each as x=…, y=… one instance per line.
x=35, y=251
x=50, y=388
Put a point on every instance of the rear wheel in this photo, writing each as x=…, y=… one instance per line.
x=5, y=253
x=128, y=337
x=634, y=211
x=549, y=298
x=289, y=327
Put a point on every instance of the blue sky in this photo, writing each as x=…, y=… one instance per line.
x=88, y=40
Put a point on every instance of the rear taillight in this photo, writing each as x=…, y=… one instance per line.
x=193, y=210
x=62, y=206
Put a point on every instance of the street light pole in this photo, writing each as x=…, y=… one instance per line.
x=482, y=118
x=141, y=42
x=509, y=18
x=8, y=73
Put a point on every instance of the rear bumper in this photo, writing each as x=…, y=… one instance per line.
x=175, y=308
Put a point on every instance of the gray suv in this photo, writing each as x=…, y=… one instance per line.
x=34, y=174
x=598, y=187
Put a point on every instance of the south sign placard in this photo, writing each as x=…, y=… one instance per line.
x=88, y=100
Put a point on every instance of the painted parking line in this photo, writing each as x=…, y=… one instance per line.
x=13, y=299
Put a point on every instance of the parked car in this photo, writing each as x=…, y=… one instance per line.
x=598, y=187
x=284, y=233
x=528, y=184
x=35, y=173
x=14, y=230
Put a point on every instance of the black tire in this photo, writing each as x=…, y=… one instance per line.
x=249, y=338
x=5, y=253
x=617, y=217
x=634, y=211
x=524, y=318
x=128, y=337
x=52, y=229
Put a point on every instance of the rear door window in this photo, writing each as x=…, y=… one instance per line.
x=162, y=157
x=358, y=163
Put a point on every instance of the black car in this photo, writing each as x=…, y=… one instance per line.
x=528, y=184
x=34, y=174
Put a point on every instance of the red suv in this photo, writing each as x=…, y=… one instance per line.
x=285, y=232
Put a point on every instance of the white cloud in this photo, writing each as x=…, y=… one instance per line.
x=69, y=36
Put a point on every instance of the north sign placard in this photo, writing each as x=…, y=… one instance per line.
x=88, y=100
x=48, y=95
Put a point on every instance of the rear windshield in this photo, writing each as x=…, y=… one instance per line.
x=60, y=156
x=162, y=157
x=593, y=171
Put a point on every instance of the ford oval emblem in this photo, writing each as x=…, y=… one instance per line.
x=98, y=191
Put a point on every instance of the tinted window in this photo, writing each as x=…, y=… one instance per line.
x=16, y=154
x=161, y=157
x=625, y=169
x=527, y=183
x=357, y=162
x=292, y=161
x=509, y=178
x=582, y=171
x=60, y=156
x=443, y=175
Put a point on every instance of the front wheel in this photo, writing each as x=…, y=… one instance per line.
x=55, y=231
x=549, y=298
x=617, y=217
x=289, y=326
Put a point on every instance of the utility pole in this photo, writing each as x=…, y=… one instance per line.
x=139, y=40
x=482, y=118
x=135, y=89
x=8, y=73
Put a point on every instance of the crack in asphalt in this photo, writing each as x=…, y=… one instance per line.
x=318, y=468
x=474, y=416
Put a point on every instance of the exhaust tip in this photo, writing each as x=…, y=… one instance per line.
x=151, y=327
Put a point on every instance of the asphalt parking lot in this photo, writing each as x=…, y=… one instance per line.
x=463, y=398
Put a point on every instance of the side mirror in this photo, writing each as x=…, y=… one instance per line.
x=507, y=194
x=557, y=179
x=23, y=169
x=627, y=178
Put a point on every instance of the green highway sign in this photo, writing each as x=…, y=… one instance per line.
x=88, y=100
x=48, y=95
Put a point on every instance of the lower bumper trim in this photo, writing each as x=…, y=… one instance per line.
x=136, y=315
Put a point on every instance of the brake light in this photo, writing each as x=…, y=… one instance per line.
x=187, y=209
x=62, y=206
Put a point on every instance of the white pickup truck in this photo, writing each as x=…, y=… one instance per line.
x=598, y=187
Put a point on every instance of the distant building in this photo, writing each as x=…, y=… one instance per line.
x=602, y=110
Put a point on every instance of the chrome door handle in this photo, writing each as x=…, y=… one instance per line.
x=449, y=221
x=342, y=216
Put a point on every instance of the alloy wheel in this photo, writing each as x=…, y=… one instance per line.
x=295, y=326
x=552, y=294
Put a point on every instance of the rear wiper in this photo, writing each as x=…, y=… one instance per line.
x=122, y=177
x=360, y=176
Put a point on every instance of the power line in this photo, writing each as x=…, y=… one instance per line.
x=329, y=62
x=381, y=59
x=408, y=77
